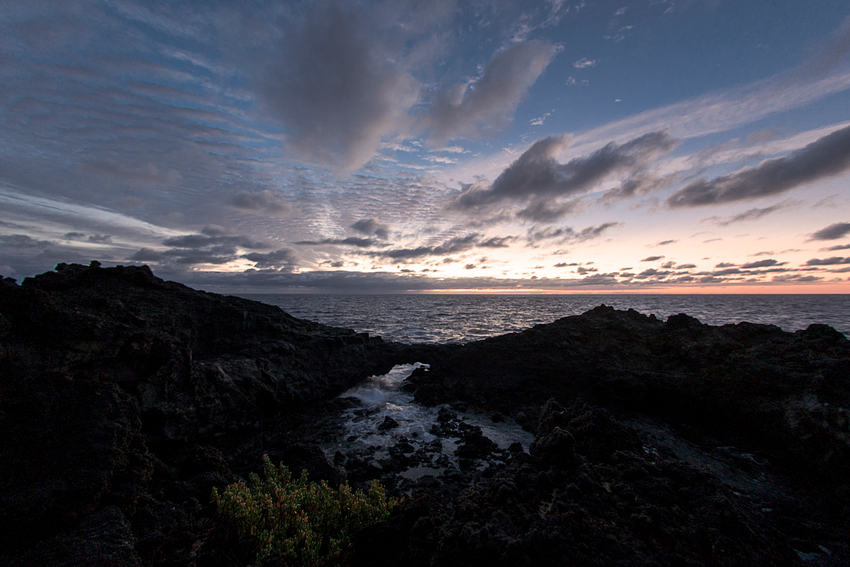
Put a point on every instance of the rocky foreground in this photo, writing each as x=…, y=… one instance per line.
x=125, y=399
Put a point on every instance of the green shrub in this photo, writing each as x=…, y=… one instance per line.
x=309, y=522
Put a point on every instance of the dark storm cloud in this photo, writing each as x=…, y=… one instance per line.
x=371, y=227
x=485, y=106
x=337, y=88
x=261, y=201
x=826, y=157
x=279, y=259
x=832, y=232
x=536, y=173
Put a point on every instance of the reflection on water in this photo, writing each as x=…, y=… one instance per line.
x=464, y=318
x=389, y=417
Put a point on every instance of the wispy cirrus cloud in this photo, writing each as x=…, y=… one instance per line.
x=817, y=77
x=752, y=214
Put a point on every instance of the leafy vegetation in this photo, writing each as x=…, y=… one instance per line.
x=310, y=523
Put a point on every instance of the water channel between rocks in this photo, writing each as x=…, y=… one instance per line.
x=389, y=435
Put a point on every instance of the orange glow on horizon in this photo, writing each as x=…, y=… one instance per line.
x=829, y=288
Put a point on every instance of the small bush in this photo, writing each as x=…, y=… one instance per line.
x=310, y=523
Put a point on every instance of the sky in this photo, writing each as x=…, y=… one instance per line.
x=558, y=146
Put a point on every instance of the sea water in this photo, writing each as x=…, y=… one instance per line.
x=465, y=318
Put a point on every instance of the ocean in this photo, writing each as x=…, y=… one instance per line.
x=466, y=318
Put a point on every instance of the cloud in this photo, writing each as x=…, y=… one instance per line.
x=337, y=88
x=585, y=63
x=569, y=235
x=832, y=232
x=21, y=241
x=203, y=241
x=186, y=256
x=540, y=119
x=371, y=227
x=537, y=173
x=279, y=259
x=828, y=261
x=483, y=107
x=826, y=157
x=260, y=201
x=542, y=211
x=451, y=246
x=640, y=183
x=827, y=57
x=753, y=214
x=350, y=241
x=190, y=249
x=762, y=264
x=652, y=258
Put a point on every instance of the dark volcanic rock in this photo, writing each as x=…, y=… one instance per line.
x=196, y=363
x=104, y=538
x=114, y=384
x=125, y=399
x=787, y=393
x=567, y=504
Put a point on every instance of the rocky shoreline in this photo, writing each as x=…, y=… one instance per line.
x=124, y=399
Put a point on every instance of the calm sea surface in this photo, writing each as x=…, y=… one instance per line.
x=464, y=318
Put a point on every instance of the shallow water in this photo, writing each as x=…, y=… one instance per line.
x=381, y=398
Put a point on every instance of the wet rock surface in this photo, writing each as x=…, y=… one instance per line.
x=588, y=494
x=125, y=399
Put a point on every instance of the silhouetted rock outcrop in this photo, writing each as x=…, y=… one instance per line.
x=101, y=366
x=785, y=393
x=124, y=399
